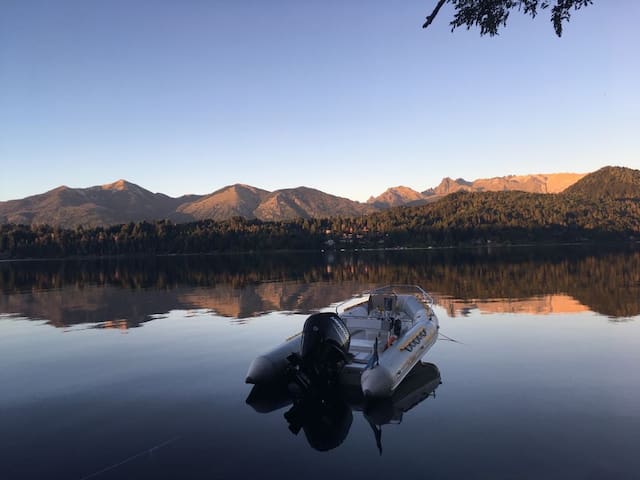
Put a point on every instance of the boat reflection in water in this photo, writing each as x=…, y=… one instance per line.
x=325, y=413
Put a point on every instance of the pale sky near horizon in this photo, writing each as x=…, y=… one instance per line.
x=350, y=97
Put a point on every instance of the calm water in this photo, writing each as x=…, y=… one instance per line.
x=135, y=369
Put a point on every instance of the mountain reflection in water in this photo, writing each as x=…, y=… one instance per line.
x=123, y=293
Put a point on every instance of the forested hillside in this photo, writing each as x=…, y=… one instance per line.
x=607, y=183
x=583, y=214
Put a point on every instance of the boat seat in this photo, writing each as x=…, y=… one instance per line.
x=361, y=344
x=363, y=323
x=361, y=357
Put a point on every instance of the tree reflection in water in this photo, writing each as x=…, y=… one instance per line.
x=130, y=291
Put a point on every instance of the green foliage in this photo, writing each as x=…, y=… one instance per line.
x=491, y=15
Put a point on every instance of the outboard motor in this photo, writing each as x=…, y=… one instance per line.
x=324, y=350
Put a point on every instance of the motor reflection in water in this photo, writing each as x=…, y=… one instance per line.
x=325, y=414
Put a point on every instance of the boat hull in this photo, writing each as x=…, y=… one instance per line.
x=381, y=379
x=272, y=365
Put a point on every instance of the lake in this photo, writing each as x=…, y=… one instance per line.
x=134, y=368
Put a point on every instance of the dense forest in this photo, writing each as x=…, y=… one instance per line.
x=463, y=218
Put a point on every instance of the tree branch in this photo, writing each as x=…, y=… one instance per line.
x=431, y=17
x=491, y=15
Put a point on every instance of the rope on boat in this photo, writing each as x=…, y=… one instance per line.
x=444, y=337
x=132, y=457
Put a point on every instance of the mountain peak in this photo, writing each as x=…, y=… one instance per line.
x=119, y=185
x=535, y=183
x=123, y=186
x=449, y=185
x=396, y=196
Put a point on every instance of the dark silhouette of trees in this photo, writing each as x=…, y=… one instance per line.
x=491, y=15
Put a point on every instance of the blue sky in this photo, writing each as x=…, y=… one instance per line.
x=350, y=97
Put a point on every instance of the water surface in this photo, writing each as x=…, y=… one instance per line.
x=135, y=368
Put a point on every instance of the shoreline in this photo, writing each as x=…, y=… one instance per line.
x=608, y=244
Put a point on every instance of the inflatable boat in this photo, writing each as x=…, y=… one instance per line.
x=373, y=340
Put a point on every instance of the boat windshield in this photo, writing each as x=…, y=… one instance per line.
x=383, y=298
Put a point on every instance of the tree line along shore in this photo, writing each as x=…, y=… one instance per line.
x=463, y=218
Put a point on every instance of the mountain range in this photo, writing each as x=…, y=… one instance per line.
x=540, y=183
x=123, y=202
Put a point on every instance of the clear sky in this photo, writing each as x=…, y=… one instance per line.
x=348, y=96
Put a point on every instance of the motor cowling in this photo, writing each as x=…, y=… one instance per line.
x=325, y=338
x=324, y=349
